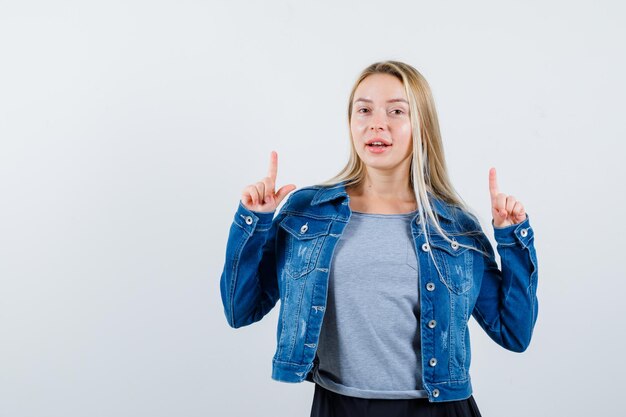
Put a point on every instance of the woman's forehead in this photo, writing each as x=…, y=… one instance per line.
x=380, y=87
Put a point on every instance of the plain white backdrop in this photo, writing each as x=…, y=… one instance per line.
x=128, y=130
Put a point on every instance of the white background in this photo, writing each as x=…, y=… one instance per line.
x=128, y=130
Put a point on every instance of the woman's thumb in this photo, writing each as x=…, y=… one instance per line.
x=283, y=191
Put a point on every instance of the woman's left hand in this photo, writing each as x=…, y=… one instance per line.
x=505, y=209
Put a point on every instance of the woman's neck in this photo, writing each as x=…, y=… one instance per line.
x=382, y=198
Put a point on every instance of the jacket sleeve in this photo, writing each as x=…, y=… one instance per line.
x=507, y=305
x=249, y=282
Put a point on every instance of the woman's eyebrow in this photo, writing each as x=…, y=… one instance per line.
x=393, y=100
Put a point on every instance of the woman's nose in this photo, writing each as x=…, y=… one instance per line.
x=378, y=120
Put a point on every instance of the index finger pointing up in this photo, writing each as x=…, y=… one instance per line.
x=273, y=165
x=493, y=184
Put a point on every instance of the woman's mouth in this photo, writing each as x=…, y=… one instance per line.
x=377, y=148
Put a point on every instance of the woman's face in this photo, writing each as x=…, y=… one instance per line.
x=381, y=111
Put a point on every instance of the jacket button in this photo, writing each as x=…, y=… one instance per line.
x=430, y=286
x=425, y=247
x=417, y=221
x=524, y=232
x=432, y=324
x=455, y=245
x=304, y=228
x=248, y=220
x=435, y=393
x=433, y=361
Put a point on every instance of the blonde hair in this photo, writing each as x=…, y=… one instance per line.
x=431, y=175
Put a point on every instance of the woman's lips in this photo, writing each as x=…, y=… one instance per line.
x=377, y=149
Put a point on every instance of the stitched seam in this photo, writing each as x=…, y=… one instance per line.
x=242, y=228
x=531, y=292
x=451, y=329
x=308, y=329
x=503, y=261
x=506, y=244
x=307, y=214
x=297, y=320
x=290, y=363
x=465, y=308
x=451, y=381
x=284, y=307
x=234, y=277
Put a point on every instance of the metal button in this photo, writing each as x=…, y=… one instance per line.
x=249, y=220
x=417, y=221
x=524, y=232
x=304, y=228
x=430, y=286
x=432, y=324
x=433, y=361
x=425, y=247
x=435, y=392
x=455, y=245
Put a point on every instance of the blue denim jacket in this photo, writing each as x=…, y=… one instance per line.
x=289, y=257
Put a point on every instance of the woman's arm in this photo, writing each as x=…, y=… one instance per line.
x=249, y=282
x=507, y=305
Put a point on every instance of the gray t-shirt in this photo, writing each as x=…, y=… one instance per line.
x=369, y=344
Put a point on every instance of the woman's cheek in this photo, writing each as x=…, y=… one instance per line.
x=405, y=130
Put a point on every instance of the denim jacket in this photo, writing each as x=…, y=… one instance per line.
x=288, y=257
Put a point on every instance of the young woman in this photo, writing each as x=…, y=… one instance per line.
x=380, y=268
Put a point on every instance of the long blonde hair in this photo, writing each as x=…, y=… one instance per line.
x=428, y=154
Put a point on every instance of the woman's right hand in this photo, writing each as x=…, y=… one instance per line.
x=261, y=196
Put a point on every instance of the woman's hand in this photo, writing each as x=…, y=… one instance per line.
x=504, y=208
x=261, y=196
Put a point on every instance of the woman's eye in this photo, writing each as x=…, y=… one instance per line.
x=363, y=110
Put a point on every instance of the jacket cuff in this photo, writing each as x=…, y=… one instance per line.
x=509, y=235
x=249, y=219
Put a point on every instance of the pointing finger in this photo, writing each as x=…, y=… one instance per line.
x=273, y=166
x=493, y=185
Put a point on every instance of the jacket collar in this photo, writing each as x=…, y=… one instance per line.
x=328, y=193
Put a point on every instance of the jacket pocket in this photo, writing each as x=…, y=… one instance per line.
x=455, y=262
x=303, y=242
